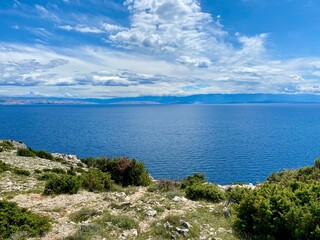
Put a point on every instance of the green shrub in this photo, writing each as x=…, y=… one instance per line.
x=6, y=145
x=197, y=178
x=85, y=232
x=123, y=170
x=37, y=171
x=63, y=184
x=83, y=215
x=121, y=221
x=14, y=219
x=96, y=181
x=55, y=170
x=4, y=167
x=26, y=153
x=46, y=176
x=207, y=192
x=278, y=211
x=236, y=194
x=44, y=154
x=19, y=171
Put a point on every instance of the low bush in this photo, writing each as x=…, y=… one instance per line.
x=83, y=215
x=44, y=154
x=166, y=185
x=63, y=184
x=19, y=171
x=6, y=145
x=14, y=219
x=26, y=152
x=123, y=170
x=121, y=221
x=207, y=192
x=55, y=170
x=96, y=181
x=236, y=194
x=37, y=171
x=197, y=178
x=4, y=167
x=46, y=176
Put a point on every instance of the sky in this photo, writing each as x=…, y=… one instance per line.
x=114, y=48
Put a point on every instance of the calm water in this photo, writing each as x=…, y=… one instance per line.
x=226, y=142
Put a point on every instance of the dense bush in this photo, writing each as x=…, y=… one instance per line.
x=6, y=145
x=26, y=152
x=63, y=184
x=123, y=170
x=20, y=171
x=209, y=192
x=4, y=167
x=236, y=194
x=96, y=181
x=197, y=178
x=286, y=206
x=276, y=211
x=44, y=154
x=14, y=219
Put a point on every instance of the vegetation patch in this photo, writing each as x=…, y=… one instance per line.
x=209, y=192
x=121, y=221
x=96, y=181
x=6, y=146
x=63, y=184
x=23, y=172
x=285, y=207
x=26, y=152
x=123, y=170
x=4, y=167
x=84, y=214
x=14, y=219
x=197, y=178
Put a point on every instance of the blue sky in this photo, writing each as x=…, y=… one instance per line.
x=113, y=48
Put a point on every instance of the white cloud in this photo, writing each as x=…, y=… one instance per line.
x=172, y=27
x=111, y=27
x=43, y=12
x=81, y=29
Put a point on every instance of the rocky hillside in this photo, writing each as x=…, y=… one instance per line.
x=130, y=212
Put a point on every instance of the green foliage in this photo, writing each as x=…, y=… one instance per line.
x=46, y=176
x=84, y=232
x=37, y=171
x=209, y=192
x=96, y=181
x=44, y=154
x=19, y=171
x=121, y=221
x=14, y=219
x=6, y=145
x=236, y=194
x=83, y=215
x=4, y=167
x=55, y=170
x=197, y=178
x=62, y=184
x=123, y=170
x=26, y=152
x=280, y=211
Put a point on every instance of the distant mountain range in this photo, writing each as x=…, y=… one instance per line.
x=193, y=99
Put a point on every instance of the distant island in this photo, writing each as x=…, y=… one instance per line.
x=191, y=99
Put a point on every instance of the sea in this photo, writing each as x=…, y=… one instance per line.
x=228, y=143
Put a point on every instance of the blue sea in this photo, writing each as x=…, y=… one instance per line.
x=229, y=143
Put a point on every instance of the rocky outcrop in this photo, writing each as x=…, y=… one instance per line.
x=72, y=159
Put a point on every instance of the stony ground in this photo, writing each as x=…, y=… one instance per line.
x=128, y=213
